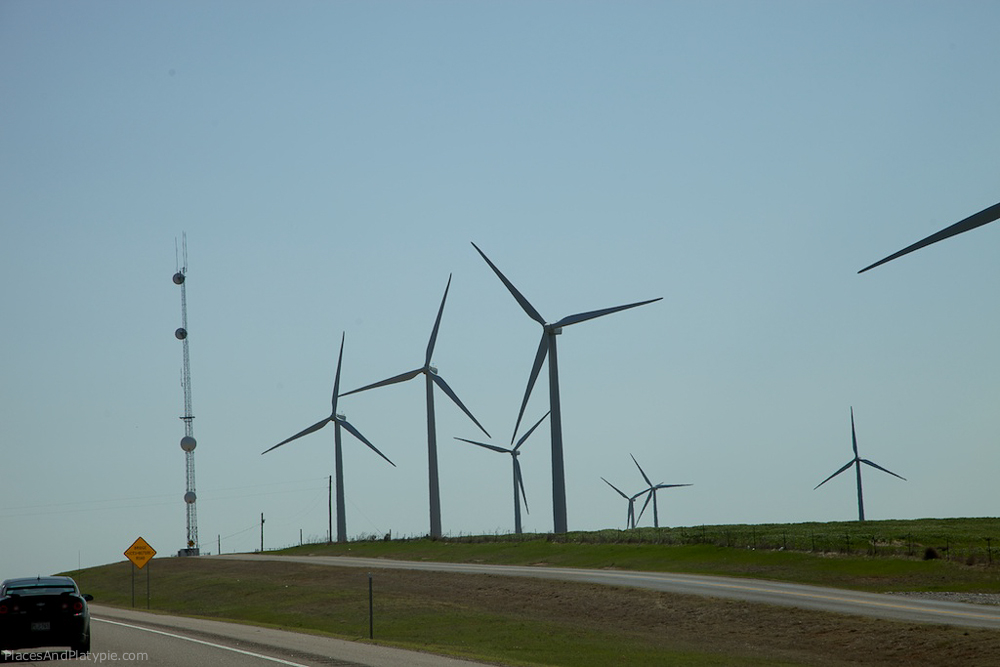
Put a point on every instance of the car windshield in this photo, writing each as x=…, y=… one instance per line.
x=40, y=589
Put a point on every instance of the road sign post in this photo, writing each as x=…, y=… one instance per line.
x=140, y=553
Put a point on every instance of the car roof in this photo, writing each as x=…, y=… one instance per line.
x=38, y=581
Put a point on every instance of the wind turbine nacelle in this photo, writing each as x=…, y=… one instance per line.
x=341, y=416
x=189, y=497
x=181, y=333
x=433, y=370
x=178, y=278
x=188, y=443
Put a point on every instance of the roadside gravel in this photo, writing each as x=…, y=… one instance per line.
x=971, y=598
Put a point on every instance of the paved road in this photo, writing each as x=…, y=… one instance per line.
x=753, y=590
x=130, y=637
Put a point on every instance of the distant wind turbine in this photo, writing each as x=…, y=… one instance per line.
x=856, y=462
x=338, y=422
x=651, y=494
x=979, y=219
x=547, y=347
x=518, y=480
x=630, y=521
x=431, y=376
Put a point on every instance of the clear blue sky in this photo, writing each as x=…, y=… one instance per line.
x=330, y=163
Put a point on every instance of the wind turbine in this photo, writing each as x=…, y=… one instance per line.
x=339, y=421
x=547, y=347
x=651, y=494
x=630, y=521
x=518, y=480
x=856, y=462
x=432, y=378
x=979, y=219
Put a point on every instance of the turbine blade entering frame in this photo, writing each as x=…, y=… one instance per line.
x=976, y=220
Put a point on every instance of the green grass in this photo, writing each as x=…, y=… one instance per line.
x=876, y=556
x=418, y=612
x=528, y=622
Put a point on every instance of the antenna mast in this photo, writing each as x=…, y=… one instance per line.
x=188, y=443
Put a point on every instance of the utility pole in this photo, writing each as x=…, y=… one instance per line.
x=262, y=532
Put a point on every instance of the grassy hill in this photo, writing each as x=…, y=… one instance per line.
x=522, y=622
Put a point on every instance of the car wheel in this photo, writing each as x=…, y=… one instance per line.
x=83, y=646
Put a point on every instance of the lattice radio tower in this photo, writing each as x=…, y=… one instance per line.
x=188, y=443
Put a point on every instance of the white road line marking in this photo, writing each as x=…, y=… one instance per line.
x=201, y=641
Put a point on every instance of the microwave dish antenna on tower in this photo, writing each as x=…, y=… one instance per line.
x=188, y=443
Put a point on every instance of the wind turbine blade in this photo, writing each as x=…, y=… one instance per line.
x=357, y=434
x=437, y=323
x=530, y=431
x=641, y=471
x=528, y=308
x=336, y=381
x=402, y=377
x=977, y=220
x=875, y=465
x=315, y=427
x=540, y=354
x=483, y=444
x=583, y=317
x=616, y=489
x=854, y=435
x=649, y=496
x=670, y=486
x=439, y=381
x=846, y=466
x=520, y=483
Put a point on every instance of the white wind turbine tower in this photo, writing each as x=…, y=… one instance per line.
x=630, y=520
x=518, y=480
x=547, y=348
x=339, y=421
x=651, y=494
x=856, y=462
x=431, y=378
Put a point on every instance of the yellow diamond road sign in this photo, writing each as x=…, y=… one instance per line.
x=140, y=553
